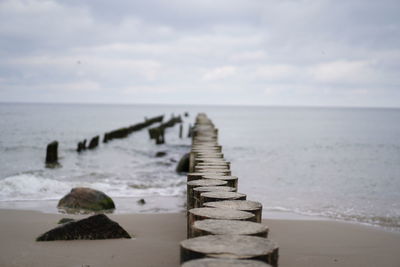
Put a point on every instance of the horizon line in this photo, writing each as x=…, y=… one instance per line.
x=196, y=104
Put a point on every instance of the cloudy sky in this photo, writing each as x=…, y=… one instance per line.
x=250, y=52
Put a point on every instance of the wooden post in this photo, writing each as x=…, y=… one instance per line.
x=199, y=183
x=220, y=196
x=94, y=142
x=199, y=175
x=217, y=214
x=105, y=139
x=230, y=246
x=229, y=227
x=180, y=130
x=52, y=153
x=204, y=168
x=215, y=163
x=198, y=190
x=208, y=262
x=189, y=131
x=232, y=180
x=243, y=205
x=80, y=147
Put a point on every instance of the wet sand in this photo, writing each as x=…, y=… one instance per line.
x=156, y=243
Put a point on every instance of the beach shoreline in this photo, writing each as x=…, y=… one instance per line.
x=157, y=236
x=130, y=206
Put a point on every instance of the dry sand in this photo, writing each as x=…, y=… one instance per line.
x=157, y=236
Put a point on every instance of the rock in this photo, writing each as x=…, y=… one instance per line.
x=83, y=198
x=161, y=154
x=183, y=164
x=94, y=227
x=141, y=201
x=65, y=220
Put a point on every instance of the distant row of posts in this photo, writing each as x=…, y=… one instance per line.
x=156, y=133
x=223, y=227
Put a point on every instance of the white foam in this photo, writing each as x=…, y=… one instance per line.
x=35, y=187
x=31, y=187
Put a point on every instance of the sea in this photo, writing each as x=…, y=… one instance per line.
x=299, y=162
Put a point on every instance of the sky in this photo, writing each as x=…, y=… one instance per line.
x=230, y=52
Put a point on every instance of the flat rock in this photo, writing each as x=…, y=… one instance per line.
x=94, y=227
x=65, y=220
x=83, y=198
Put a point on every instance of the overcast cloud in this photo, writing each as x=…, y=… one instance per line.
x=252, y=52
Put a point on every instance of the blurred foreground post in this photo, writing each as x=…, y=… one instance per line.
x=52, y=153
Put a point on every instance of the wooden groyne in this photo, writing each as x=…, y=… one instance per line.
x=158, y=133
x=223, y=227
x=124, y=132
x=52, y=148
x=118, y=133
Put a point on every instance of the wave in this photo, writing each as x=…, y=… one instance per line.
x=30, y=187
x=33, y=186
x=390, y=222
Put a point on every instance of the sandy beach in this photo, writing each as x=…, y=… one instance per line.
x=156, y=243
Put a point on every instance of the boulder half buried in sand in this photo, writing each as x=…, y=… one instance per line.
x=86, y=199
x=183, y=164
x=94, y=227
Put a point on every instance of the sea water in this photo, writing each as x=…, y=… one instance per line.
x=338, y=163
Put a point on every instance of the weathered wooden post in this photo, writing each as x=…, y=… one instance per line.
x=230, y=247
x=189, y=131
x=209, y=262
x=204, y=168
x=243, y=205
x=106, y=138
x=229, y=227
x=232, y=180
x=94, y=142
x=80, y=147
x=217, y=214
x=199, y=175
x=52, y=153
x=220, y=196
x=200, y=183
x=197, y=191
x=160, y=138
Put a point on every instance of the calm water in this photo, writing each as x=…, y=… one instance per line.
x=336, y=163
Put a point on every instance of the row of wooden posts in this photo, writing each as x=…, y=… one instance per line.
x=223, y=228
x=119, y=133
x=52, y=148
x=157, y=133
